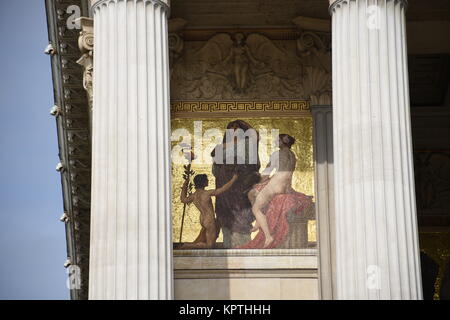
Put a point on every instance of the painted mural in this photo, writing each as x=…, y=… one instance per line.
x=245, y=183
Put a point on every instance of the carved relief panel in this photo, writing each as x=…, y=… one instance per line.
x=250, y=64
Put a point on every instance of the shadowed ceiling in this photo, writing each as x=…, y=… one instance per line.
x=280, y=12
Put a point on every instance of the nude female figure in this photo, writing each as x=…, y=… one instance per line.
x=241, y=57
x=283, y=162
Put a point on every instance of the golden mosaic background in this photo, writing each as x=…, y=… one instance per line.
x=303, y=180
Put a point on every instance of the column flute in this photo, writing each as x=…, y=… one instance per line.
x=377, y=247
x=131, y=239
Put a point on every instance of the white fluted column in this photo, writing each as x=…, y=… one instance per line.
x=377, y=248
x=131, y=242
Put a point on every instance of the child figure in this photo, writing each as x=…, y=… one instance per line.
x=283, y=161
x=202, y=200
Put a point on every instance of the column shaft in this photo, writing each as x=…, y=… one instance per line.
x=324, y=183
x=131, y=242
x=376, y=227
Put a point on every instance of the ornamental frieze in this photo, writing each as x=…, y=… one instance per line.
x=249, y=65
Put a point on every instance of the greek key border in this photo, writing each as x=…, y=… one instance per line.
x=226, y=108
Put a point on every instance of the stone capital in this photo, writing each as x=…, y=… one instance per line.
x=336, y=2
x=86, y=39
x=164, y=3
x=86, y=45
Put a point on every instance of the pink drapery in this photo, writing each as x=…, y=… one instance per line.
x=276, y=214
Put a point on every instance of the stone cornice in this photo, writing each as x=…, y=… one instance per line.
x=72, y=119
x=312, y=24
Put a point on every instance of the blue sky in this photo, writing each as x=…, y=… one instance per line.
x=32, y=239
